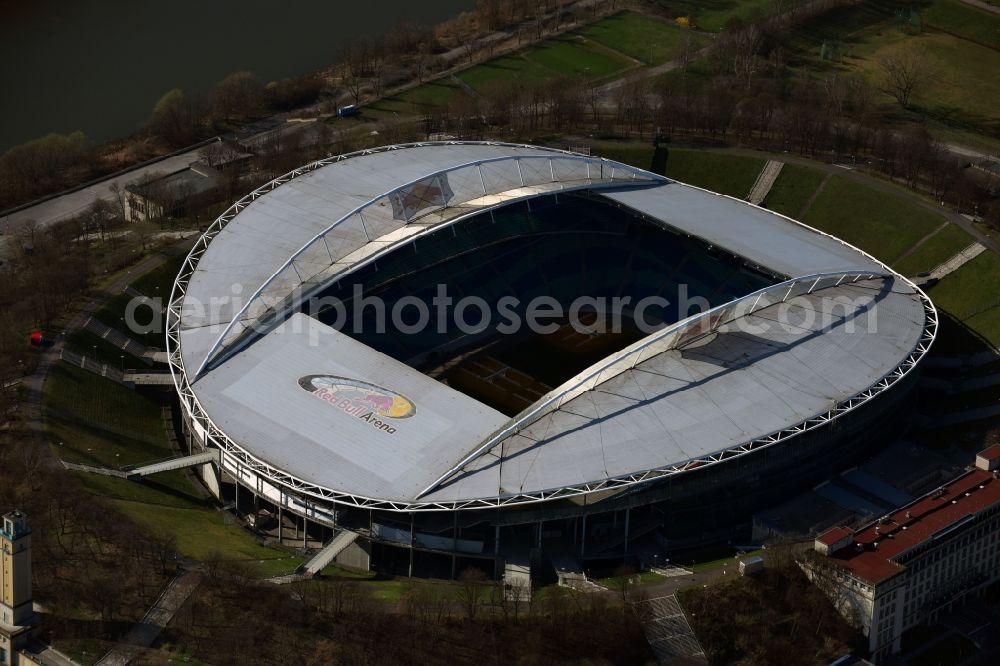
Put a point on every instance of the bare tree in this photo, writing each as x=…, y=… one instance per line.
x=905, y=74
x=469, y=590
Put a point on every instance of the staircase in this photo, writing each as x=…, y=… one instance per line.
x=326, y=555
x=765, y=181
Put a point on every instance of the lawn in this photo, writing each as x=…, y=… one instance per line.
x=113, y=313
x=792, y=190
x=716, y=171
x=645, y=578
x=987, y=324
x=971, y=289
x=644, y=38
x=700, y=567
x=937, y=249
x=95, y=421
x=158, y=282
x=93, y=404
x=572, y=56
x=883, y=225
x=507, y=68
x=964, y=90
x=970, y=294
x=206, y=533
x=956, y=17
x=635, y=155
x=712, y=15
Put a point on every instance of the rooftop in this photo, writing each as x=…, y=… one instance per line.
x=693, y=397
x=193, y=180
x=929, y=517
x=990, y=453
x=834, y=535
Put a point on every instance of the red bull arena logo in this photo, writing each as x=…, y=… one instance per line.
x=368, y=402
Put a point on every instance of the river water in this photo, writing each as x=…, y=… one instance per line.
x=100, y=65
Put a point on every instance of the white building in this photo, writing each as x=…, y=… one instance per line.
x=917, y=563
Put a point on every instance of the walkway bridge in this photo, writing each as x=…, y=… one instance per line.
x=211, y=455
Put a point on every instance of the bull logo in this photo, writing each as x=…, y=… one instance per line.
x=360, y=399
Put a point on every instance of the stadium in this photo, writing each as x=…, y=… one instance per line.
x=423, y=446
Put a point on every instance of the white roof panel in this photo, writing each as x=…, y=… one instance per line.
x=672, y=407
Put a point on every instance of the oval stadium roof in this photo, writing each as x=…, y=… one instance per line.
x=707, y=389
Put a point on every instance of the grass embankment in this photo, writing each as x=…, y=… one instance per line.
x=94, y=421
x=935, y=250
x=972, y=294
x=717, y=171
x=793, y=189
x=883, y=225
x=907, y=236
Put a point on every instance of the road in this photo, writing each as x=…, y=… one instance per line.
x=70, y=204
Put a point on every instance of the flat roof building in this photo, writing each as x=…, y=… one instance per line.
x=918, y=562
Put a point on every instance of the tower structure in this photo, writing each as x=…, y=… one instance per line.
x=15, y=585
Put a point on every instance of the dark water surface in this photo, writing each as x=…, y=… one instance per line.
x=100, y=65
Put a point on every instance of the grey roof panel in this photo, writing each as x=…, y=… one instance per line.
x=755, y=233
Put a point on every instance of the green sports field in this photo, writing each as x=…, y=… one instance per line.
x=647, y=39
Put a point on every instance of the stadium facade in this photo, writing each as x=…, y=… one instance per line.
x=454, y=446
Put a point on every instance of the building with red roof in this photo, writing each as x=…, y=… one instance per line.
x=917, y=562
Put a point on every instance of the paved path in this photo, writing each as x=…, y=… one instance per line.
x=983, y=5
x=956, y=262
x=765, y=181
x=145, y=632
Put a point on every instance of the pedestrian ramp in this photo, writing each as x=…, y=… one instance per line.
x=211, y=455
x=149, y=378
